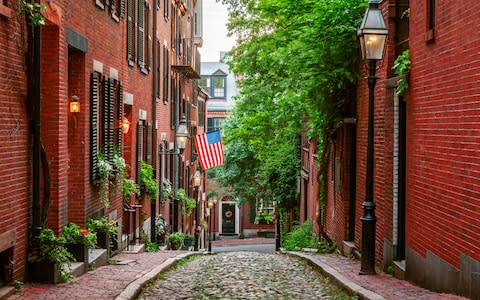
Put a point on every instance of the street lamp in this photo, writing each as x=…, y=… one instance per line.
x=372, y=34
x=212, y=201
x=181, y=139
x=197, y=180
x=181, y=135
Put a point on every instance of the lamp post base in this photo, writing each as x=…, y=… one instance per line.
x=368, y=240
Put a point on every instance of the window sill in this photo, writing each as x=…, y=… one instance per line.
x=5, y=11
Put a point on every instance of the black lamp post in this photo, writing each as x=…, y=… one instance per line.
x=211, y=206
x=197, y=180
x=181, y=139
x=372, y=34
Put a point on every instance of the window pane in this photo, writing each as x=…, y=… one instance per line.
x=219, y=87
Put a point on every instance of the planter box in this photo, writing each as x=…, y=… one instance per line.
x=79, y=252
x=44, y=272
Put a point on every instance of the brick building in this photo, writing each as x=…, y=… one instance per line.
x=425, y=148
x=128, y=63
x=227, y=217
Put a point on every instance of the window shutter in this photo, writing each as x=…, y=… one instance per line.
x=148, y=144
x=157, y=70
x=141, y=32
x=122, y=8
x=148, y=36
x=130, y=31
x=119, y=132
x=108, y=117
x=94, y=78
x=188, y=106
x=139, y=149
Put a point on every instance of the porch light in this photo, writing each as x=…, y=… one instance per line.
x=125, y=125
x=197, y=179
x=372, y=32
x=75, y=104
x=182, y=133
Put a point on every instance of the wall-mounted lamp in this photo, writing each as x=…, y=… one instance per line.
x=75, y=104
x=125, y=125
x=75, y=109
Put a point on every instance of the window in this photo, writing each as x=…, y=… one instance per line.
x=117, y=8
x=215, y=123
x=139, y=38
x=214, y=86
x=201, y=113
x=106, y=110
x=166, y=73
x=429, y=35
x=219, y=87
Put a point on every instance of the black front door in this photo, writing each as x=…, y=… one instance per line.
x=228, y=218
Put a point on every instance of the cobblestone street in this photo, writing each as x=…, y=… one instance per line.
x=242, y=275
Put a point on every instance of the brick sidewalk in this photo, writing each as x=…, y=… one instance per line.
x=344, y=272
x=106, y=282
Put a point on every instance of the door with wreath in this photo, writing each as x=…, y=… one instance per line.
x=228, y=218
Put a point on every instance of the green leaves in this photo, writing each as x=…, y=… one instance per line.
x=299, y=60
x=401, y=66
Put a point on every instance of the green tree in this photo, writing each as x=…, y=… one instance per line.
x=299, y=61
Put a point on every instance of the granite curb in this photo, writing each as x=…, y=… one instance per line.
x=337, y=278
x=134, y=288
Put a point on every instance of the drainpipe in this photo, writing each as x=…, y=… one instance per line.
x=154, y=125
x=36, y=151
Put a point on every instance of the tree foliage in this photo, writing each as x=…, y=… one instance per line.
x=298, y=60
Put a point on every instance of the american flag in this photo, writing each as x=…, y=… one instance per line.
x=210, y=149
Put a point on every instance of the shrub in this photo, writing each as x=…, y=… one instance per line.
x=176, y=240
x=302, y=236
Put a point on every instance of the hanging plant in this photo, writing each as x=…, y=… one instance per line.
x=148, y=182
x=119, y=167
x=105, y=171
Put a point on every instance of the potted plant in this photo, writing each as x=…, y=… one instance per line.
x=51, y=262
x=161, y=230
x=175, y=240
x=78, y=241
x=106, y=232
x=167, y=191
x=188, y=204
x=148, y=183
x=188, y=241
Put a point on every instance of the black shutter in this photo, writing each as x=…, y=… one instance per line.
x=94, y=124
x=139, y=148
x=105, y=111
x=111, y=118
x=148, y=36
x=148, y=144
x=119, y=131
x=130, y=32
x=122, y=8
x=140, y=32
x=157, y=70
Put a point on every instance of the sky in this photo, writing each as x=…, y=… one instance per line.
x=215, y=39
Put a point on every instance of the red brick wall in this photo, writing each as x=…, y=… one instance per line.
x=443, y=133
x=15, y=149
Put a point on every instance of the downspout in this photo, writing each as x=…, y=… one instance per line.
x=36, y=151
x=153, y=205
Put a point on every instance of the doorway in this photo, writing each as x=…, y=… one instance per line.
x=228, y=218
